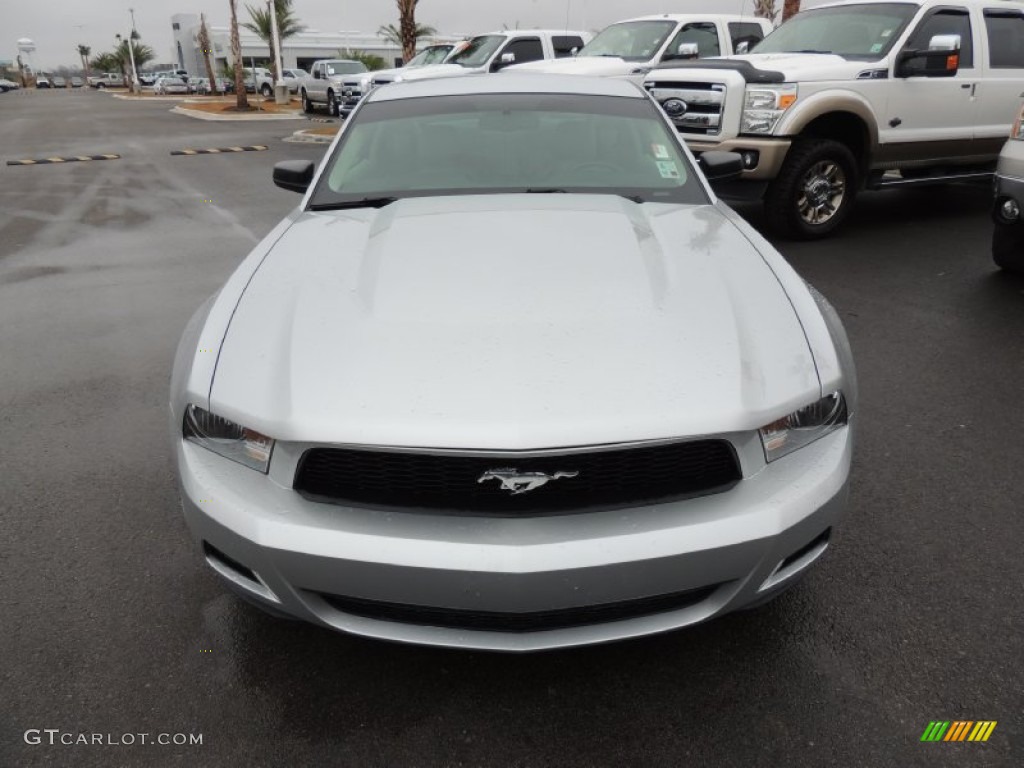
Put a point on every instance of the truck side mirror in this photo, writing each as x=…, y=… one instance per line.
x=683, y=51
x=742, y=46
x=942, y=59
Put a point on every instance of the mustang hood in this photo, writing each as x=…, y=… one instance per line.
x=512, y=322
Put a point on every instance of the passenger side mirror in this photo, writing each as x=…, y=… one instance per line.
x=294, y=175
x=316, y=74
x=683, y=51
x=742, y=47
x=720, y=167
x=942, y=59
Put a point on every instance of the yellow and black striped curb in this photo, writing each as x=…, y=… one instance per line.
x=220, y=150
x=69, y=159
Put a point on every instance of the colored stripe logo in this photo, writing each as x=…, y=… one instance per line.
x=959, y=730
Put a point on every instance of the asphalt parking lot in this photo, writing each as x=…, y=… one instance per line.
x=110, y=622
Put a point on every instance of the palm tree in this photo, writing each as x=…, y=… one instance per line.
x=241, y=99
x=105, y=62
x=84, y=51
x=389, y=33
x=142, y=53
x=407, y=27
x=262, y=25
x=790, y=8
x=204, y=45
x=766, y=10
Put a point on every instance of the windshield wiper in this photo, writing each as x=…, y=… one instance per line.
x=366, y=202
x=546, y=191
x=808, y=50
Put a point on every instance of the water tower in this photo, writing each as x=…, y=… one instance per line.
x=27, y=50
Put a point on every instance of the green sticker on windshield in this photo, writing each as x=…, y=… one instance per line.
x=668, y=169
x=876, y=48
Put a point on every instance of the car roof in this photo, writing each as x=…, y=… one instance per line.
x=508, y=82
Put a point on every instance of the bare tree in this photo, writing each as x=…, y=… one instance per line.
x=765, y=9
x=205, y=46
x=241, y=99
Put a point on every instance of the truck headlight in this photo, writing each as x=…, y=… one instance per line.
x=764, y=106
x=230, y=440
x=804, y=426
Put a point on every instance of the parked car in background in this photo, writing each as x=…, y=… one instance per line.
x=670, y=439
x=8, y=85
x=495, y=51
x=168, y=85
x=77, y=82
x=324, y=85
x=59, y=82
x=293, y=78
x=42, y=81
x=632, y=48
x=258, y=79
x=355, y=87
x=1008, y=212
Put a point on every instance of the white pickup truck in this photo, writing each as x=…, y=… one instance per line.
x=106, y=80
x=855, y=95
x=632, y=48
x=495, y=51
x=325, y=83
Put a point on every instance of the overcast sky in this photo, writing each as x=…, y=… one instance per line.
x=58, y=26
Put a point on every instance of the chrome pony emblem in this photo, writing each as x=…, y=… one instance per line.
x=521, y=482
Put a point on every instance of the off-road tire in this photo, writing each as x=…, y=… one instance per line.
x=307, y=105
x=806, y=189
x=332, y=104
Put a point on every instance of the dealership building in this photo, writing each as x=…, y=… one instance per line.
x=300, y=50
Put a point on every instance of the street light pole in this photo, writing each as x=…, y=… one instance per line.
x=280, y=89
x=131, y=53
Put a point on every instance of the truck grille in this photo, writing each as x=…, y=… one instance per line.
x=512, y=484
x=695, y=108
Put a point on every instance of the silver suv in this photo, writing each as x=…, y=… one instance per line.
x=1008, y=238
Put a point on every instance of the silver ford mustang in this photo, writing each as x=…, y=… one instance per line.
x=511, y=378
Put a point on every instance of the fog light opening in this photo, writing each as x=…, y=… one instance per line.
x=797, y=561
x=750, y=159
x=236, y=573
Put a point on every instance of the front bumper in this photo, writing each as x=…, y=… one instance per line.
x=402, y=575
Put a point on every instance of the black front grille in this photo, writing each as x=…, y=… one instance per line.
x=495, y=621
x=615, y=477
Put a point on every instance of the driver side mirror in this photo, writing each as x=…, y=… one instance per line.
x=719, y=167
x=942, y=59
x=294, y=175
x=683, y=51
x=742, y=47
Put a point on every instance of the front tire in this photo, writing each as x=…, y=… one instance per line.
x=307, y=105
x=1008, y=247
x=814, y=191
x=332, y=104
x=266, y=91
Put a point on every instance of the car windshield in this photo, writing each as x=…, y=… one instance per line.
x=477, y=51
x=508, y=143
x=630, y=40
x=852, y=31
x=345, y=67
x=433, y=55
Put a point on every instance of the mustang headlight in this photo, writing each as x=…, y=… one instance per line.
x=764, y=106
x=1018, y=127
x=804, y=426
x=230, y=440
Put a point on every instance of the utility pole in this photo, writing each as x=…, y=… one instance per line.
x=280, y=88
x=131, y=53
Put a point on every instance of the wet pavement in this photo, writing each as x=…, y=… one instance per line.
x=111, y=624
